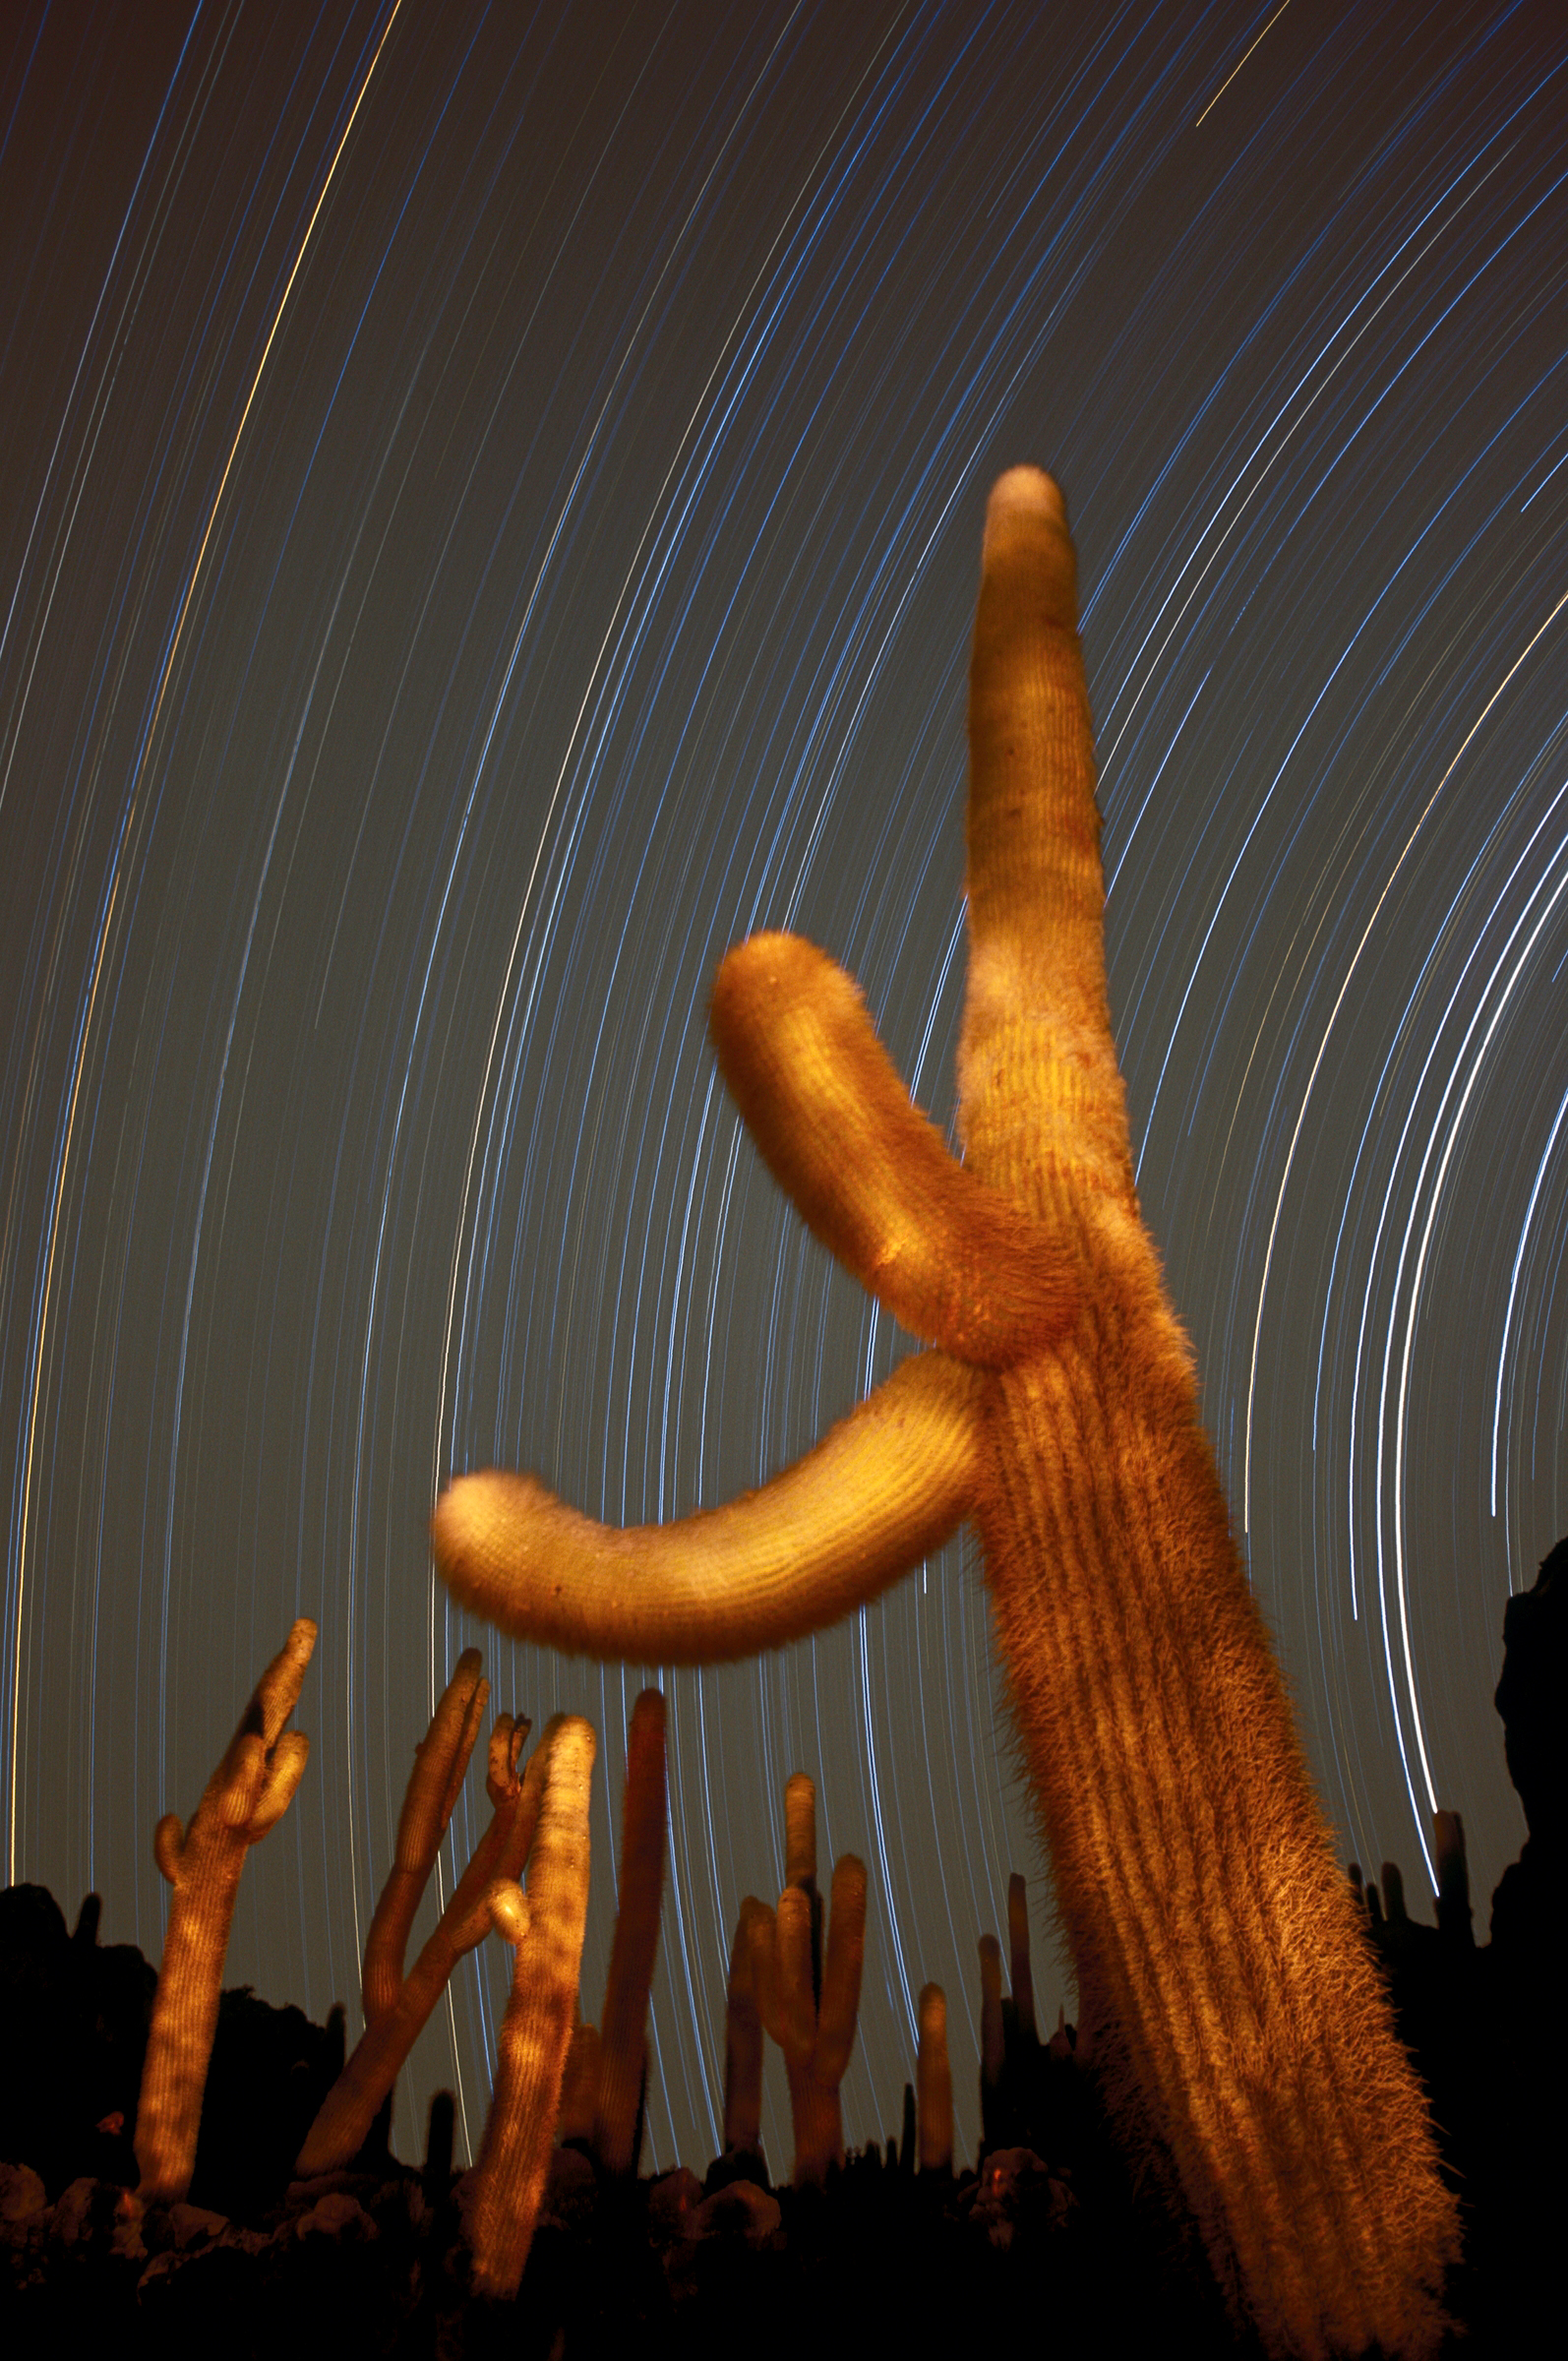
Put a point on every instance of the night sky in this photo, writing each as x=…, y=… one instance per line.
x=492, y=517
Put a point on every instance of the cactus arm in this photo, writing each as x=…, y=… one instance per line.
x=623, y=2028
x=536, y=2033
x=870, y=1176
x=884, y=1486
x=345, y=2115
x=246, y=1795
x=439, y=1762
x=841, y=1973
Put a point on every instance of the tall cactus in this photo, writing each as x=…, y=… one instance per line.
x=1243, y=2034
x=545, y=1928
x=933, y=2076
x=623, y=2026
x=247, y=1794
x=751, y=1972
x=398, y=2006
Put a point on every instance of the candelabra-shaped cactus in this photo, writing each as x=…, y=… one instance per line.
x=398, y=2006
x=1241, y=2027
x=545, y=1930
x=247, y=1794
x=808, y=1992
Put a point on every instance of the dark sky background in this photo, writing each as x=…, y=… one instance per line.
x=492, y=510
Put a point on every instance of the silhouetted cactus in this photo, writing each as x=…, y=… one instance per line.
x=247, y=1794
x=933, y=2074
x=580, y=2087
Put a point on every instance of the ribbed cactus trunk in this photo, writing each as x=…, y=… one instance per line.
x=1234, y=2001
x=246, y=1796
x=536, y=2033
x=624, y=2032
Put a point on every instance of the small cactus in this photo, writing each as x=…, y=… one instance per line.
x=811, y=2010
x=545, y=1930
x=750, y=1964
x=398, y=2006
x=247, y=1794
x=934, y=2077
x=623, y=2025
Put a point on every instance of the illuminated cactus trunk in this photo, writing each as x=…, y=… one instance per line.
x=247, y=1795
x=1236, y=2007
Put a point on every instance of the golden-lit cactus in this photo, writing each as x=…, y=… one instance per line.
x=808, y=1995
x=545, y=1928
x=441, y=1761
x=1239, y=2022
x=247, y=1794
x=398, y=2006
x=934, y=2076
x=623, y=2025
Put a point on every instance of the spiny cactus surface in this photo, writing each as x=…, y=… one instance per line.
x=247, y=1794
x=1238, y=2021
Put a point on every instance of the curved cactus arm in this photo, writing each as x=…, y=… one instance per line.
x=440, y=1761
x=349, y=2108
x=623, y=2026
x=246, y=1795
x=536, y=2033
x=882, y=1488
x=870, y=1176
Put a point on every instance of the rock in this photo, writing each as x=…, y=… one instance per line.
x=195, y=2225
x=21, y=2193
x=741, y=2210
x=337, y=2216
x=673, y=2200
x=1017, y=2189
x=571, y=2190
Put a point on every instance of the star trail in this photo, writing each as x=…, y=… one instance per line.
x=492, y=518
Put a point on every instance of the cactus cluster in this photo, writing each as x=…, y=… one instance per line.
x=1240, y=2029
